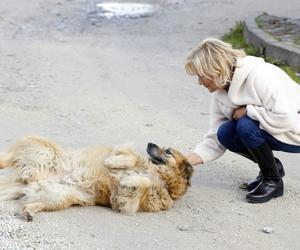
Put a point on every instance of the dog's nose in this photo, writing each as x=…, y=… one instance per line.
x=150, y=146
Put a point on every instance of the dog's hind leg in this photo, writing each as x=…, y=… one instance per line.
x=51, y=196
x=10, y=187
x=34, y=158
x=30, y=209
x=11, y=192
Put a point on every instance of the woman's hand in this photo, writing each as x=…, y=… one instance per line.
x=194, y=159
x=239, y=112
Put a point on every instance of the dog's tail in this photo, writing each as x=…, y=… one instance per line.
x=5, y=159
x=10, y=188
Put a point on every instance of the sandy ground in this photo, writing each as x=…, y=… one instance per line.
x=82, y=80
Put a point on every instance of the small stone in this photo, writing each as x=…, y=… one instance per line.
x=183, y=227
x=267, y=230
x=149, y=125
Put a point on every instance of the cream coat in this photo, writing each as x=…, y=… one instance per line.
x=271, y=97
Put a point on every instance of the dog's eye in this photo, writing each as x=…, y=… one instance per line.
x=168, y=151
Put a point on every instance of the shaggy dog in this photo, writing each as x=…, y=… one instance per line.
x=48, y=177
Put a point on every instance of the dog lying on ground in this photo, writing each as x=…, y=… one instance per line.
x=47, y=177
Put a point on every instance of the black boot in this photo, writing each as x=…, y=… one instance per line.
x=249, y=186
x=271, y=185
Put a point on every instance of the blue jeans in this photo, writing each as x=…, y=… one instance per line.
x=243, y=134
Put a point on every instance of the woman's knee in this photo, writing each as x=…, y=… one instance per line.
x=249, y=132
x=226, y=132
x=245, y=125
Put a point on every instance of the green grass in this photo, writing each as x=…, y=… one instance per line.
x=236, y=38
x=291, y=73
x=297, y=40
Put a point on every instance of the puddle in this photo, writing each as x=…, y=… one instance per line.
x=125, y=10
x=78, y=16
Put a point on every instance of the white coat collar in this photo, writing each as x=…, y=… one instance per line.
x=243, y=67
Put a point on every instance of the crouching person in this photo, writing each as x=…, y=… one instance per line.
x=255, y=109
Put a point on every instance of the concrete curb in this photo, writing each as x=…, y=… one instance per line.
x=271, y=47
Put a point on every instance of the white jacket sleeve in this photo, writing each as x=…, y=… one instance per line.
x=278, y=112
x=210, y=148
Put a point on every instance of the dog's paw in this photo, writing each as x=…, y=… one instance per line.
x=120, y=162
x=135, y=181
x=27, y=212
x=24, y=215
x=27, y=216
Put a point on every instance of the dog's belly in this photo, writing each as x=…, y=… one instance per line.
x=90, y=177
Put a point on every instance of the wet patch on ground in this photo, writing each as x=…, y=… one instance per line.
x=110, y=10
x=75, y=16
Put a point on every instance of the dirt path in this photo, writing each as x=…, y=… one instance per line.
x=76, y=78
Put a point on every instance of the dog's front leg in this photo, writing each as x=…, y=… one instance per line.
x=126, y=197
x=120, y=161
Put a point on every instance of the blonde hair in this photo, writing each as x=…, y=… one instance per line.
x=213, y=59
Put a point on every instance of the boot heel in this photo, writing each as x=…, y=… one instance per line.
x=282, y=173
x=280, y=167
x=278, y=193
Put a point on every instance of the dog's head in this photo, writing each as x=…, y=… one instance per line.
x=171, y=158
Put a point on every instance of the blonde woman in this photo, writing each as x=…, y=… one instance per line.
x=255, y=109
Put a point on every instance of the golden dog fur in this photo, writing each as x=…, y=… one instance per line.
x=48, y=177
